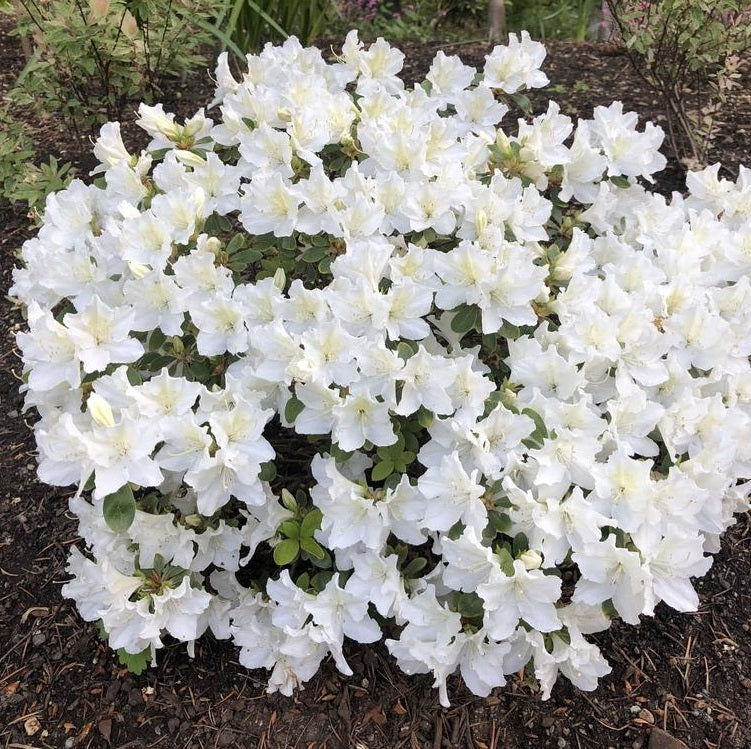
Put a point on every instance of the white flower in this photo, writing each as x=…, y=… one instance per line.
x=612, y=572
x=527, y=595
x=101, y=335
x=516, y=65
x=452, y=495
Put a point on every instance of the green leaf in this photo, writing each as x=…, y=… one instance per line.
x=424, y=417
x=119, y=509
x=509, y=331
x=312, y=547
x=520, y=544
x=522, y=102
x=415, y=567
x=506, y=561
x=290, y=528
x=321, y=579
x=499, y=522
x=311, y=523
x=470, y=605
x=293, y=409
x=315, y=254
x=382, y=470
x=243, y=258
x=268, y=471
x=134, y=377
x=620, y=181
x=135, y=662
x=406, y=349
x=541, y=431
x=289, y=501
x=285, y=552
x=236, y=243
x=466, y=317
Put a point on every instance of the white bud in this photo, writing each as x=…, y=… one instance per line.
x=531, y=559
x=139, y=270
x=280, y=279
x=188, y=157
x=100, y=411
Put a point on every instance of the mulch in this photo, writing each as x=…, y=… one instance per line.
x=676, y=678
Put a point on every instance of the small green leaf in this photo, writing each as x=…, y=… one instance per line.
x=119, y=509
x=405, y=349
x=290, y=528
x=312, y=547
x=382, y=470
x=415, y=567
x=135, y=662
x=424, y=417
x=520, y=544
x=466, y=318
x=134, y=377
x=288, y=500
x=285, y=552
x=541, y=431
x=506, y=561
x=311, y=523
x=620, y=181
x=470, y=605
x=268, y=471
x=293, y=409
x=509, y=331
x=522, y=102
x=236, y=243
x=498, y=522
x=315, y=254
x=321, y=580
x=243, y=258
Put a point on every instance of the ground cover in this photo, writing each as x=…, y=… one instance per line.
x=686, y=674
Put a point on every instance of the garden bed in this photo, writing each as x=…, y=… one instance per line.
x=687, y=674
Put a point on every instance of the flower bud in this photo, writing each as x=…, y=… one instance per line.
x=280, y=279
x=100, y=411
x=213, y=245
x=188, y=158
x=531, y=559
x=139, y=270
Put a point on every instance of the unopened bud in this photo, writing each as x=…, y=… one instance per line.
x=188, y=158
x=280, y=279
x=139, y=270
x=193, y=521
x=481, y=222
x=213, y=245
x=531, y=559
x=100, y=411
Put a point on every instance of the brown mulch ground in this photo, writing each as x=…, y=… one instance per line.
x=676, y=677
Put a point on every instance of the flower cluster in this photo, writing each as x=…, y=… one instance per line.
x=354, y=361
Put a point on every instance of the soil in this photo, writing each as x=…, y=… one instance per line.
x=676, y=678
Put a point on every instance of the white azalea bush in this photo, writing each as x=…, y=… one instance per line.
x=353, y=360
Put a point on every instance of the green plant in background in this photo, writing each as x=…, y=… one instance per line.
x=21, y=180
x=90, y=58
x=551, y=19
x=245, y=25
x=689, y=52
x=417, y=20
